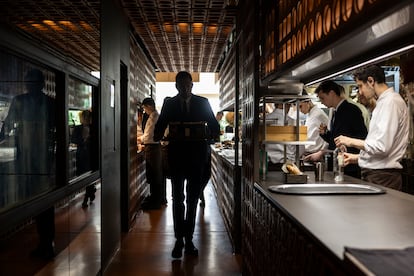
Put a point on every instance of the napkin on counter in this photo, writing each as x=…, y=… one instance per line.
x=385, y=261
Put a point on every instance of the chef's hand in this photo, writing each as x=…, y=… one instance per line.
x=323, y=128
x=350, y=158
x=315, y=157
x=343, y=140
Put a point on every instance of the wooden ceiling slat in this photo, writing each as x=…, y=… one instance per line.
x=187, y=48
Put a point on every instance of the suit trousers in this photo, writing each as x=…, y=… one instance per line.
x=184, y=215
x=390, y=178
x=154, y=173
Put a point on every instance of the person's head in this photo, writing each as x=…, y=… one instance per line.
x=229, y=118
x=35, y=81
x=370, y=81
x=184, y=84
x=368, y=103
x=329, y=93
x=85, y=117
x=305, y=105
x=278, y=107
x=219, y=115
x=148, y=104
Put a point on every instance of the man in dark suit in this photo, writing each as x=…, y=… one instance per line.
x=187, y=155
x=346, y=120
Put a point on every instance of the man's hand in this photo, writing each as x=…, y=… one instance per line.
x=315, y=157
x=349, y=142
x=350, y=158
x=343, y=140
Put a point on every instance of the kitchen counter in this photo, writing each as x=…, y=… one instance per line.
x=228, y=155
x=376, y=221
x=225, y=177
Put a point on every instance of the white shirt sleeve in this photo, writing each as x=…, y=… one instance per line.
x=148, y=137
x=315, y=118
x=387, y=138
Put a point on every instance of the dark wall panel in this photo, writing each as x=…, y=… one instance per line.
x=114, y=50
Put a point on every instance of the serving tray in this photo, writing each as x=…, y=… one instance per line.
x=323, y=189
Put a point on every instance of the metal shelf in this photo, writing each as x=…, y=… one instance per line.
x=298, y=143
x=284, y=98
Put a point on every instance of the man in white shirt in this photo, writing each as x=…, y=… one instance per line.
x=153, y=165
x=386, y=143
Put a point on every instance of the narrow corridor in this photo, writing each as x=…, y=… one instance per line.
x=145, y=250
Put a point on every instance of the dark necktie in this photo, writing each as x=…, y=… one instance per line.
x=333, y=119
x=185, y=109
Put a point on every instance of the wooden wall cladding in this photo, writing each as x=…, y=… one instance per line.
x=228, y=81
x=141, y=83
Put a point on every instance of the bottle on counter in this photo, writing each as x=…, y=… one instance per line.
x=338, y=163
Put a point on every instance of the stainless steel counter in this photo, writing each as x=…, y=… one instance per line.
x=228, y=155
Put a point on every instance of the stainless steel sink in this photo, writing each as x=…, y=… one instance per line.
x=328, y=188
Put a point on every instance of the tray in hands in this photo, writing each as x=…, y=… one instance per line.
x=324, y=189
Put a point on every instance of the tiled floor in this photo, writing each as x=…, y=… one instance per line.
x=145, y=250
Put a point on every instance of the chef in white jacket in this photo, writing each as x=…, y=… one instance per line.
x=315, y=117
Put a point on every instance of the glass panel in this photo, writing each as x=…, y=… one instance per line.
x=82, y=129
x=27, y=136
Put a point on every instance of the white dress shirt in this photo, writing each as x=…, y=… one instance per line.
x=387, y=138
x=316, y=117
x=148, y=137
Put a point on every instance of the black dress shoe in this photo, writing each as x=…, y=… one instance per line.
x=190, y=249
x=44, y=252
x=92, y=197
x=178, y=249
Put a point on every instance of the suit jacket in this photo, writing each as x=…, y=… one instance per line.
x=187, y=156
x=349, y=122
